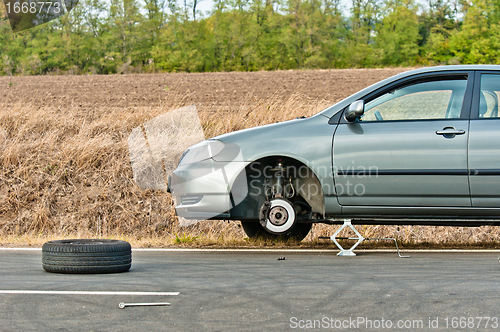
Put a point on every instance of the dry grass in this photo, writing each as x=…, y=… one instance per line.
x=65, y=172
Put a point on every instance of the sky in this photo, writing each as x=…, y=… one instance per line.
x=205, y=6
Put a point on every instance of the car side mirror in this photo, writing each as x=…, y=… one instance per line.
x=355, y=110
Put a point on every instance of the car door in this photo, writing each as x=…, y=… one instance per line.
x=484, y=142
x=410, y=146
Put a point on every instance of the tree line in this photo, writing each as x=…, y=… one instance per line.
x=123, y=36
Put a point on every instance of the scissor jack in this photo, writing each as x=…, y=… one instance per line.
x=360, y=238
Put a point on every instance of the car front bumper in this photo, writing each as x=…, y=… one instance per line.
x=208, y=188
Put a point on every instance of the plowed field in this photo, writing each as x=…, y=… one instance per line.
x=202, y=89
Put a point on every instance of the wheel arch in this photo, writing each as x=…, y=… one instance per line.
x=309, y=186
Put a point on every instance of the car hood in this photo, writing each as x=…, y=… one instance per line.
x=235, y=136
x=287, y=138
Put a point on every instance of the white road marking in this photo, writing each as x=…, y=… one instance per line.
x=23, y=249
x=86, y=293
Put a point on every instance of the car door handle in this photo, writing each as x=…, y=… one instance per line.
x=450, y=131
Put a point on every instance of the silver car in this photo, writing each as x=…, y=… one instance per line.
x=421, y=147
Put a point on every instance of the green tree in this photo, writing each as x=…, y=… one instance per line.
x=397, y=35
x=478, y=40
x=124, y=38
x=358, y=51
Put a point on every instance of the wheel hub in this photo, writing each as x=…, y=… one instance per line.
x=278, y=216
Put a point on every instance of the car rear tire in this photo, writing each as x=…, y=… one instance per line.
x=254, y=230
x=86, y=256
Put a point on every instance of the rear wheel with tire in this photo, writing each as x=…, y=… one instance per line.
x=86, y=256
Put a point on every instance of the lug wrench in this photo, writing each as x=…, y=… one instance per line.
x=123, y=305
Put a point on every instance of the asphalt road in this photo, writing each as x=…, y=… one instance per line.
x=253, y=291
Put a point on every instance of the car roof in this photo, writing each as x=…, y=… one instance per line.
x=451, y=68
x=444, y=68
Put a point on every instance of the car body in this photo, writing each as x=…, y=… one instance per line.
x=421, y=147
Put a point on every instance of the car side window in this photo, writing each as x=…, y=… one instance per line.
x=488, y=98
x=441, y=99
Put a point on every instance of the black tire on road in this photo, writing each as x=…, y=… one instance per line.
x=253, y=229
x=86, y=256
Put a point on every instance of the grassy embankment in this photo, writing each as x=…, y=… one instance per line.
x=65, y=172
